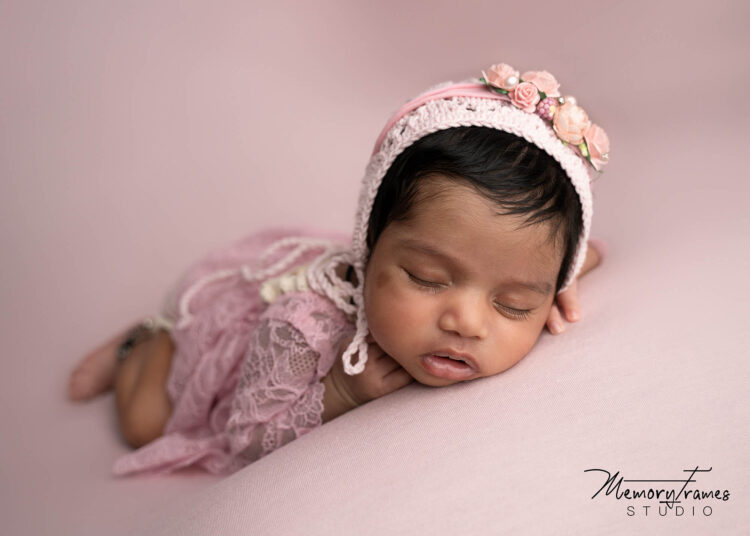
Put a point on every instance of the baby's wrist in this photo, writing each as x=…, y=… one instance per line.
x=334, y=403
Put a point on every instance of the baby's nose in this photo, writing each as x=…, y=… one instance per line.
x=465, y=315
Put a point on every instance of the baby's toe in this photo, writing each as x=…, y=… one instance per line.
x=93, y=375
x=79, y=386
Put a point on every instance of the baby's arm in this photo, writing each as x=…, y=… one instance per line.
x=278, y=395
x=334, y=404
x=283, y=393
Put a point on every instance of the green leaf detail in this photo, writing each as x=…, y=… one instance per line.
x=492, y=88
x=584, y=150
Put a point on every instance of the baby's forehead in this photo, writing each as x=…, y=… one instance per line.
x=480, y=244
x=438, y=186
x=437, y=192
x=442, y=197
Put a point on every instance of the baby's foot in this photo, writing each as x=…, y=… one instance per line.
x=95, y=373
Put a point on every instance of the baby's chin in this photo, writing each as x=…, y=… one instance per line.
x=425, y=378
x=437, y=382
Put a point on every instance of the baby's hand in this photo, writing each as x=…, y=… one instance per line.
x=567, y=301
x=382, y=375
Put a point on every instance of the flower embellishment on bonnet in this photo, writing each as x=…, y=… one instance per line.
x=538, y=92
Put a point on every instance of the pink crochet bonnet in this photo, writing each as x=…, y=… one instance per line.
x=528, y=105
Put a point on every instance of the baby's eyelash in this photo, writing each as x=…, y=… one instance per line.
x=431, y=286
x=520, y=314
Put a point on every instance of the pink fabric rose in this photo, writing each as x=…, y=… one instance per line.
x=544, y=81
x=570, y=123
x=525, y=96
x=598, y=144
x=499, y=75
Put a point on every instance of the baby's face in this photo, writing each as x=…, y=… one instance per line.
x=459, y=279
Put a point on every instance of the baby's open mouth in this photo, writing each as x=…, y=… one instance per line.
x=452, y=358
x=449, y=365
x=457, y=357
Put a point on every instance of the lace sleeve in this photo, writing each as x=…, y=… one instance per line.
x=279, y=396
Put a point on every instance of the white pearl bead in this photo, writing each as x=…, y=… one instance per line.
x=269, y=291
x=286, y=283
x=302, y=281
x=511, y=81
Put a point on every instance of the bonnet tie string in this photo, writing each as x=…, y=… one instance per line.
x=301, y=245
x=348, y=298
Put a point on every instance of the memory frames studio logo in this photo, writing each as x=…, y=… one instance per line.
x=655, y=497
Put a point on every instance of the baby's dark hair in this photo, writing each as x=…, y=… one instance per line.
x=517, y=175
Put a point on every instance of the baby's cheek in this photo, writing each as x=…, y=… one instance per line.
x=393, y=315
x=521, y=342
x=384, y=309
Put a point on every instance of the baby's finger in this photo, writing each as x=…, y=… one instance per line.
x=397, y=379
x=374, y=351
x=568, y=302
x=386, y=364
x=554, y=321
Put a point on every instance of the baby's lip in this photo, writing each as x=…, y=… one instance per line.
x=468, y=358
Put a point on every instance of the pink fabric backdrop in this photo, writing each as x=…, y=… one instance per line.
x=136, y=136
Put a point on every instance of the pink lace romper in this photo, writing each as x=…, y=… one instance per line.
x=246, y=375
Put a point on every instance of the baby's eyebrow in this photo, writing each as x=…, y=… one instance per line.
x=543, y=288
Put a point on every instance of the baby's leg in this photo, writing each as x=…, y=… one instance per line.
x=143, y=404
x=95, y=373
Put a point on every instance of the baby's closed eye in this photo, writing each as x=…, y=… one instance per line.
x=434, y=284
x=426, y=281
